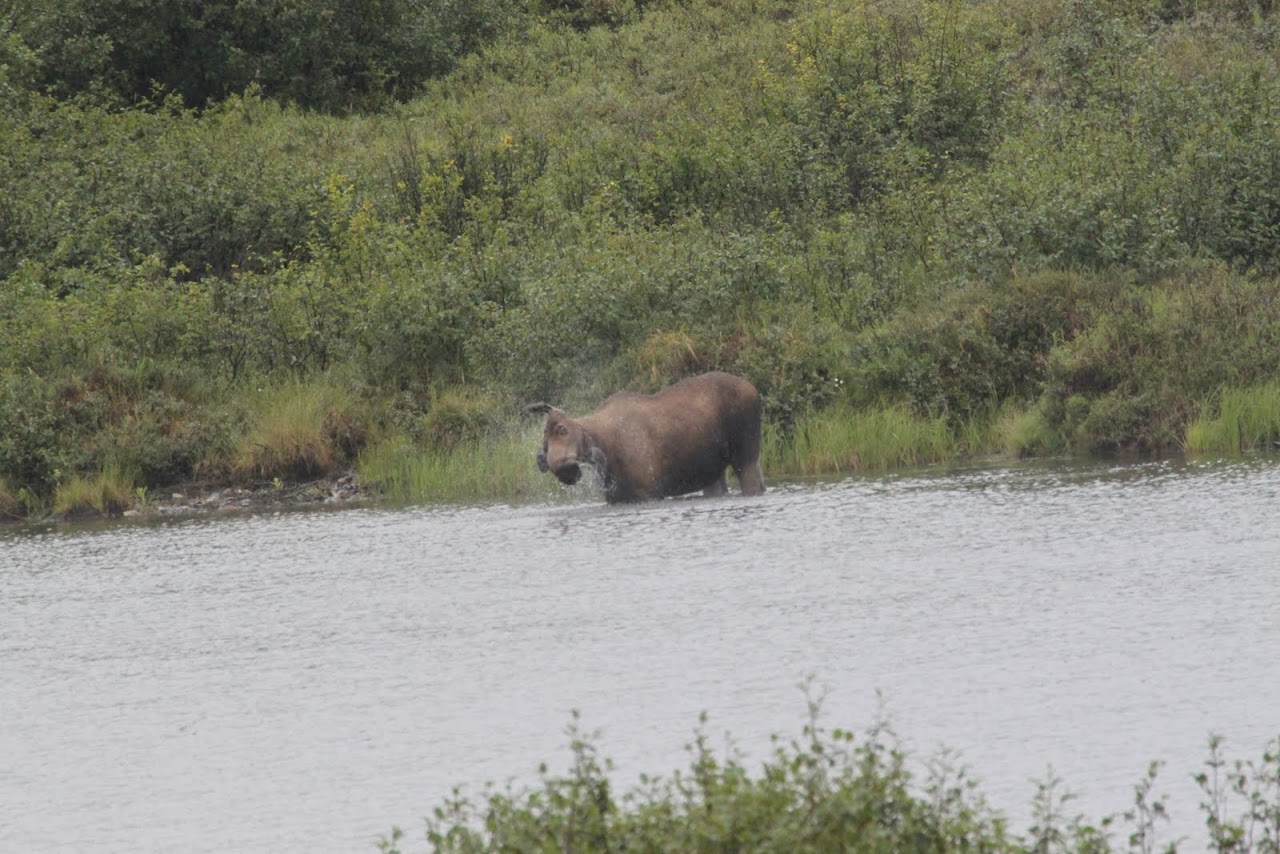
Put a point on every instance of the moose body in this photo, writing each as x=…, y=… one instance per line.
x=648, y=446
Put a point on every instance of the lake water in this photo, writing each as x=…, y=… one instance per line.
x=305, y=681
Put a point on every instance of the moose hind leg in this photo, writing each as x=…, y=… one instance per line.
x=750, y=478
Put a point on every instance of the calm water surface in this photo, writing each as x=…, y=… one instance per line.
x=306, y=681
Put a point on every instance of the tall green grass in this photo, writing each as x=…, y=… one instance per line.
x=841, y=439
x=1021, y=431
x=1247, y=419
x=498, y=468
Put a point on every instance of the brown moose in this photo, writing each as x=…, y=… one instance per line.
x=646, y=446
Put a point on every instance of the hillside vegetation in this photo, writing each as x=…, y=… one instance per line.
x=1031, y=227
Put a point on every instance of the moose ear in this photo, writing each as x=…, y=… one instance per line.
x=539, y=408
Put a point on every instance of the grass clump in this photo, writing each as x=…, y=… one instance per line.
x=1248, y=419
x=1023, y=432
x=107, y=493
x=298, y=430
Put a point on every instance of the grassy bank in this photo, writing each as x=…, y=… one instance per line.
x=834, y=790
x=923, y=228
x=467, y=450
x=839, y=440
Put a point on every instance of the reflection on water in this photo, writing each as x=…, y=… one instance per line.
x=306, y=681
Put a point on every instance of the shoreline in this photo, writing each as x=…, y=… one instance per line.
x=343, y=489
x=199, y=498
x=195, y=498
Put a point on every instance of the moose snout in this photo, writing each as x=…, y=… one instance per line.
x=569, y=473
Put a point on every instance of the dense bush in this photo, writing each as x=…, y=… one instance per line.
x=977, y=347
x=88, y=187
x=323, y=53
x=1137, y=375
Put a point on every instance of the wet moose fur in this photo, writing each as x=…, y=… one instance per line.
x=647, y=446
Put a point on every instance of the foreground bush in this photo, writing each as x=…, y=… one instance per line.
x=831, y=790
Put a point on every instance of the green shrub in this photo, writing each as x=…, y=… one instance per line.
x=1133, y=379
x=796, y=359
x=824, y=790
x=665, y=357
x=583, y=310
x=1024, y=432
x=140, y=419
x=16, y=502
x=584, y=14
x=166, y=438
x=1137, y=141
x=34, y=444
x=976, y=347
x=92, y=187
